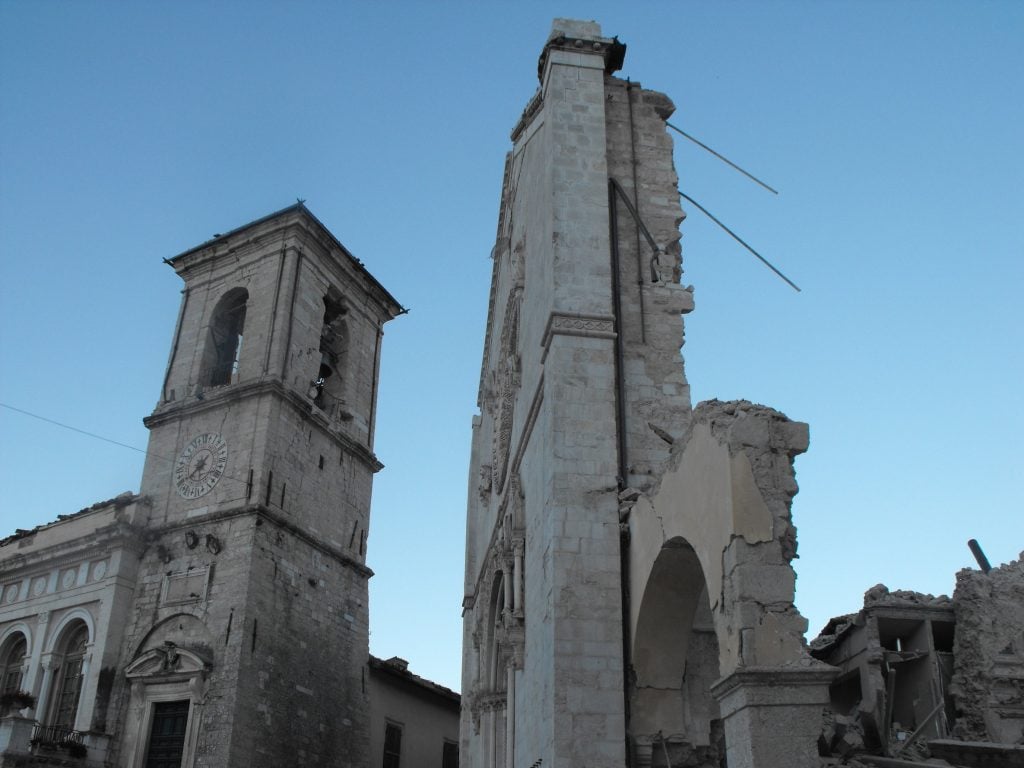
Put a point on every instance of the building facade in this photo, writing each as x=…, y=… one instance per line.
x=414, y=723
x=628, y=592
x=219, y=617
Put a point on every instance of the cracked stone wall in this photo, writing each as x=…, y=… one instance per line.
x=543, y=672
x=988, y=677
x=728, y=493
x=711, y=583
x=593, y=486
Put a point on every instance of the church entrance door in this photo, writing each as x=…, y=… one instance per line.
x=167, y=736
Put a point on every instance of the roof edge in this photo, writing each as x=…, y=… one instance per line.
x=299, y=207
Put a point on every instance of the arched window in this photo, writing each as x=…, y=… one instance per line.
x=329, y=387
x=224, y=342
x=67, y=684
x=13, y=660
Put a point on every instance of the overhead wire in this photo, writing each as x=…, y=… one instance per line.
x=61, y=424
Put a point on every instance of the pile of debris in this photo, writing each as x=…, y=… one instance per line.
x=926, y=680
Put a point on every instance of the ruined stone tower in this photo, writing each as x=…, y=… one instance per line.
x=628, y=594
x=247, y=636
x=581, y=373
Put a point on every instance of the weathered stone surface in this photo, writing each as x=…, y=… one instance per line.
x=234, y=585
x=988, y=678
x=627, y=547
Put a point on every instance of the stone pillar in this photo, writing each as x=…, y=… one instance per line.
x=15, y=733
x=510, y=715
x=508, y=590
x=47, y=663
x=83, y=718
x=517, y=579
x=31, y=681
x=772, y=715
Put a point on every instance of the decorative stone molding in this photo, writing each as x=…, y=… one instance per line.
x=515, y=511
x=168, y=661
x=166, y=673
x=486, y=477
x=611, y=50
x=507, y=374
x=572, y=324
x=533, y=108
x=493, y=701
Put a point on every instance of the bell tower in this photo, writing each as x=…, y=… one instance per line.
x=278, y=339
x=250, y=610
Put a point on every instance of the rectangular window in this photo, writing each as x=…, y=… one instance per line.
x=167, y=736
x=392, y=745
x=70, y=688
x=12, y=679
x=450, y=754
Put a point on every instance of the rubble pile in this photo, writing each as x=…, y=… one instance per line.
x=929, y=680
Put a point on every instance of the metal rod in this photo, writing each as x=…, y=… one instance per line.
x=724, y=159
x=636, y=204
x=739, y=240
x=617, y=189
x=621, y=448
x=983, y=562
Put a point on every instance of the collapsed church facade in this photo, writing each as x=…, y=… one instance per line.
x=628, y=585
x=628, y=593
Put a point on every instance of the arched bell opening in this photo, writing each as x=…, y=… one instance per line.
x=328, y=388
x=224, y=340
x=674, y=719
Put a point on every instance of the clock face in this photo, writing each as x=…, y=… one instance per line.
x=200, y=466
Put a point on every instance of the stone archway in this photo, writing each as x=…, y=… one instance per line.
x=674, y=717
x=718, y=522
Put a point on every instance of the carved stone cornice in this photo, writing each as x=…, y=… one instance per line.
x=280, y=521
x=95, y=545
x=533, y=107
x=574, y=324
x=611, y=50
x=490, y=701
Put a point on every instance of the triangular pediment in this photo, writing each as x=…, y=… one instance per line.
x=168, y=659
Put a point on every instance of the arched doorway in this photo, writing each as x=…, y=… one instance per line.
x=673, y=716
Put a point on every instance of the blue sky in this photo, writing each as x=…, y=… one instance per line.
x=132, y=131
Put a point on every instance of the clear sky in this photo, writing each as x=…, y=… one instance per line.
x=894, y=131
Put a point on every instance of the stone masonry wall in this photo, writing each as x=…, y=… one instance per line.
x=549, y=420
x=301, y=690
x=640, y=159
x=211, y=623
x=988, y=652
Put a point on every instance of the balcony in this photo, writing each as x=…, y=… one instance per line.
x=47, y=739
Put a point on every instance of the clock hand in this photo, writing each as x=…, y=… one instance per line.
x=199, y=467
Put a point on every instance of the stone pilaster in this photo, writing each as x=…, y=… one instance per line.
x=772, y=715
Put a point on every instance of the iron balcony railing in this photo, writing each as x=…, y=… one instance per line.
x=55, y=735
